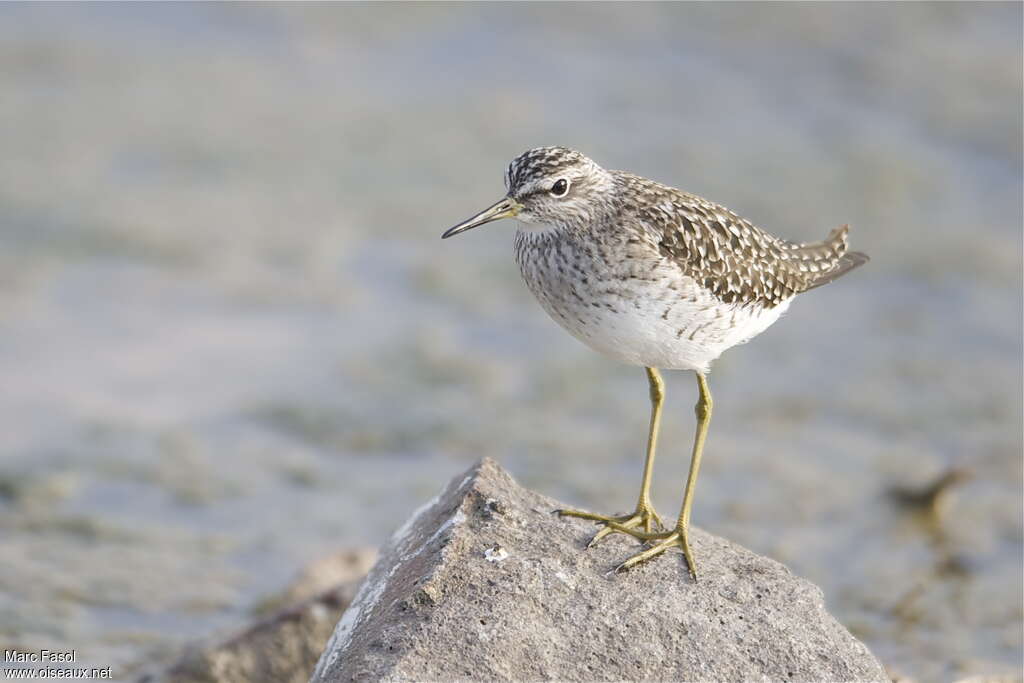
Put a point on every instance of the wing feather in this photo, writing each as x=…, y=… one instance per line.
x=730, y=256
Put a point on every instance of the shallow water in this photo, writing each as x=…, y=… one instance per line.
x=232, y=342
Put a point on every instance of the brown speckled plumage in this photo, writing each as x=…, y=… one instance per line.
x=728, y=255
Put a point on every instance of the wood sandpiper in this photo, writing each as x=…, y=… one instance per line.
x=652, y=276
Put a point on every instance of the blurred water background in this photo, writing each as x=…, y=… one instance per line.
x=231, y=341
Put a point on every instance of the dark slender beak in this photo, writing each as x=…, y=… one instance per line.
x=506, y=208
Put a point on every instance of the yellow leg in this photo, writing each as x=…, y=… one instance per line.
x=645, y=516
x=679, y=537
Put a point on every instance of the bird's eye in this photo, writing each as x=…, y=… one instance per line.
x=560, y=188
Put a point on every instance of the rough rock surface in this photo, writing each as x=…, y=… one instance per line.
x=484, y=583
x=284, y=647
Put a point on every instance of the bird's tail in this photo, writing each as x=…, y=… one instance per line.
x=830, y=256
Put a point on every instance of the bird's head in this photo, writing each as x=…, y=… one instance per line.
x=553, y=186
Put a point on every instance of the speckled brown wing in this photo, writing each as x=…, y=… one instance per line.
x=733, y=258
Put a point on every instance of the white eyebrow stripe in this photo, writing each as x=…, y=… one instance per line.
x=535, y=185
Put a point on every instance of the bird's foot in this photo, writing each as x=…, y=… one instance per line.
x=642, y=521
x=677, y=538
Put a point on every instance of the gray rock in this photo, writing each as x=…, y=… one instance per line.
x=484, y=583
x=284, y=647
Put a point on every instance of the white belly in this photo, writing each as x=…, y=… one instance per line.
x=643, y=314
x=692, y=334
